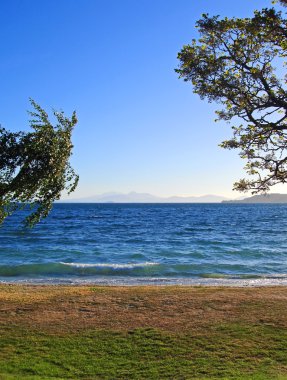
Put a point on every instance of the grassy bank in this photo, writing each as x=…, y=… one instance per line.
x=142, y=333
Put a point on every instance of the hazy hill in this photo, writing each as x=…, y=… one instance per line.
x=262, y=198
x=134, y=197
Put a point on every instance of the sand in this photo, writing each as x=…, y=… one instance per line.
x=172, y=308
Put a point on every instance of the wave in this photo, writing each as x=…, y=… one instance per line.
x=250, y=276
x=110, y=265
x=128, y=270
x=138, y=281
x=76, y=269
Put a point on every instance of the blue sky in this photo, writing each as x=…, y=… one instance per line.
x=140, y=127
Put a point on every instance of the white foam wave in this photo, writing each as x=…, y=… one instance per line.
x=129, y=281
x=109, y=265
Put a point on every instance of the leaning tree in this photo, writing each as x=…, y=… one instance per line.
x=34, y=166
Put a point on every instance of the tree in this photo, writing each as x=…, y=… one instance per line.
x=239, y=64
x=34, y=166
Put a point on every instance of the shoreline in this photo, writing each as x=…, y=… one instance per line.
x=252, y=282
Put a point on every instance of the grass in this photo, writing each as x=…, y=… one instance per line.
x=84, y=332
x=227, y=351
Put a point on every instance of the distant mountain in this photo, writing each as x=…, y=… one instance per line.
x=134, y=197
x=262, y=198
x=201, y=199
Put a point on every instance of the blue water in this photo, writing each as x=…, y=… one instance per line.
x=148, y=243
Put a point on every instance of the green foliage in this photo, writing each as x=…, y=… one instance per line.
x=234, y=63
x=282, y=2
x=230, y=351
x=34, y=166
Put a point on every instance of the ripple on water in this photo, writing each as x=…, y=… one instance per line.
x=190, y=241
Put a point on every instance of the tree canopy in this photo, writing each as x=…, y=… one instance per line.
x=240, y=63
x=34, y=166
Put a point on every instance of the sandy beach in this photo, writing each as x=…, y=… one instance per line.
x=70, y=308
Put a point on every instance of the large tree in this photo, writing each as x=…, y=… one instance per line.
x=34, y=166
x=240, y=63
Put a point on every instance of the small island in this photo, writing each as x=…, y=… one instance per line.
x=262, y=198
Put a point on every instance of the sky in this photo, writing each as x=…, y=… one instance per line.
x=140, y=128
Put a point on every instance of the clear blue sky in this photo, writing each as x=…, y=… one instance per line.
x=140, y=127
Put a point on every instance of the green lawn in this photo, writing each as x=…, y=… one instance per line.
x=227, y=351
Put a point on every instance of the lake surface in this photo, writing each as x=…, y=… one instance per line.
x=232, y=244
